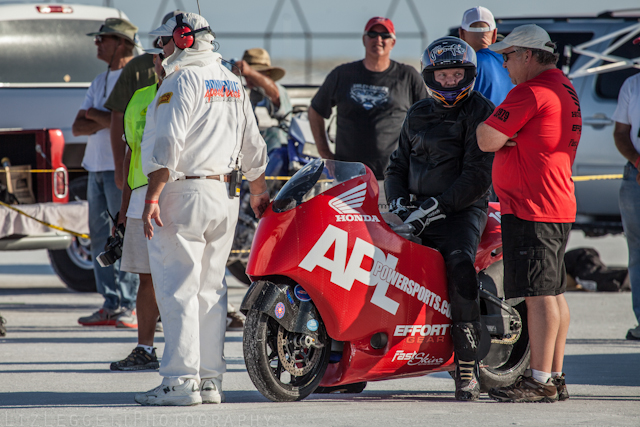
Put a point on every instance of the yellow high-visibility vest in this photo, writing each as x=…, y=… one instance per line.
x=135, y=117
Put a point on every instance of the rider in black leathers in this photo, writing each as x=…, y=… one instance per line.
x=438, y=162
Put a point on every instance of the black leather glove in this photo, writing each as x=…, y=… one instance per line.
x=400, y=207
x=427, y=213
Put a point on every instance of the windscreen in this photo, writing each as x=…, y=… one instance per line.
x=316, y=177
x=48, y=51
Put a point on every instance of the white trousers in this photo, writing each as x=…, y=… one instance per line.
x=188, y=256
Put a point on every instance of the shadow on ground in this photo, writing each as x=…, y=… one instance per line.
x=39, y=269
x=616, y=369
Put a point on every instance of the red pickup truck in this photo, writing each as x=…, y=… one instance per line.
x=46, y=65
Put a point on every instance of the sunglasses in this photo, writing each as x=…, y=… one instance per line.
x=102, y=37
x=505, y=56
x=164, y=40
x=375, y=34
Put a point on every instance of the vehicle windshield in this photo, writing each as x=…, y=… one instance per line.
x=48, y=51
x=316, y=177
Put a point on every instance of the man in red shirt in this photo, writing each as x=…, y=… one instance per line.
x=535, y=133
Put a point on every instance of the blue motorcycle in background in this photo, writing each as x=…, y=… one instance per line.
x=284, y=161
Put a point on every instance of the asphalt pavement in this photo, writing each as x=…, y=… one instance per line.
x=54, y=372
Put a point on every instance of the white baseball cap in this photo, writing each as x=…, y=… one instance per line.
x=478, y=14
x=195, y=21
x=529, y=35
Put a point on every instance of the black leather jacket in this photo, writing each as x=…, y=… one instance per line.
x=438, y=155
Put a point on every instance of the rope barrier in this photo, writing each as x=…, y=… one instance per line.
x=596, y=177
x=84, y=236
x=286, y=178
x=271, y=178
x=42, y=170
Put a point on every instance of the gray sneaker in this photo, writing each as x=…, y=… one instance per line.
x=3, y=330
x=211, y=391
x=128, y=319
x=634, y=333
x=102, y=317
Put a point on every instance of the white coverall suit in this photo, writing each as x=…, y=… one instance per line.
x=196, y=126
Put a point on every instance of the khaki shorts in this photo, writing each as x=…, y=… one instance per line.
x=135, y=255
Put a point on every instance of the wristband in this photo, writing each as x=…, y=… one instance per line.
x=637, y=162
x=150, y=202
x=256, y=195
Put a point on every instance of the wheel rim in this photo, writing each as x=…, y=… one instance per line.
x=80, y=253
x=291, y=365
x=518, y=348
x=298, y=360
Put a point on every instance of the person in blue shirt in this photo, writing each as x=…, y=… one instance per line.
x=478, y=28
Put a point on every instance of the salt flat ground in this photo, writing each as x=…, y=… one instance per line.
x=53, y=372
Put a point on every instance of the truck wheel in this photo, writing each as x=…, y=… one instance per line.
x=74, y=265
x=281, y=367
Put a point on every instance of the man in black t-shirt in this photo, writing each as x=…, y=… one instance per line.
x=373, y=96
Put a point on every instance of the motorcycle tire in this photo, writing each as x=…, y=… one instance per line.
x=518, y=361
x=273, y=381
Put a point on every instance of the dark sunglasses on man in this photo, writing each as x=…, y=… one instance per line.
x=102, y=37
x=164, y=40
x=375, y=34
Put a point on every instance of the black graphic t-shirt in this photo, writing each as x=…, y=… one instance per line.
x=371, y=108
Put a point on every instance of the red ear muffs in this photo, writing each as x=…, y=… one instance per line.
x=183, y=34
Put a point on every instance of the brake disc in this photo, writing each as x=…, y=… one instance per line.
x=296, y=359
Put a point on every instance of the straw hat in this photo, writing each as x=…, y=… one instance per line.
x=259, y=60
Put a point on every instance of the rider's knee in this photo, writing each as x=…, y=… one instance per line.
x=462, y=276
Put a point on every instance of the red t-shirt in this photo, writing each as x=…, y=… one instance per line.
x=533, y=178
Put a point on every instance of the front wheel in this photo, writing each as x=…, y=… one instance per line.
x=506, y=360
x=280, y=364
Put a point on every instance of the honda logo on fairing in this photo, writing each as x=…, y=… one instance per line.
x=347, y=202
x=382, y=275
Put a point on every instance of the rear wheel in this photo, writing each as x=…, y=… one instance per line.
x=281, y=366
x=74, y=265
x=507, y=360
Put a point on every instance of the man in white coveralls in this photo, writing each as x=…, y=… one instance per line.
x=203, y=128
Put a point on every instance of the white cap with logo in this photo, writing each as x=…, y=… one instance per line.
x=529, y=35
x=478, y=14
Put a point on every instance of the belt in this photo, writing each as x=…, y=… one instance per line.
x=223, y=178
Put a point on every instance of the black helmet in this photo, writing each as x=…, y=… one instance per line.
x=449, y=52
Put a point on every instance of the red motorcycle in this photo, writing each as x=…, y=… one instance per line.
x=338, y=298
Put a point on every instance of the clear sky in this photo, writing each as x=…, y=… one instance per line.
x=339, y=16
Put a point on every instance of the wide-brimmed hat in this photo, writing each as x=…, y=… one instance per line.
x=529, y=35
x=117, y=27
x=260, y=60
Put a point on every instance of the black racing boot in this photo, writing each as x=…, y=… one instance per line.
x=467, y=385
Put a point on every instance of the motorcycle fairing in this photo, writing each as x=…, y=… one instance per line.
x=265, y=296
x=368, y=280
